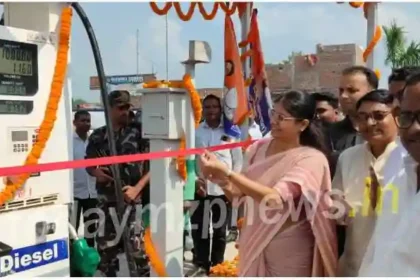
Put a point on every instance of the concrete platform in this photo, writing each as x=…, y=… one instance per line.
x=230, y=254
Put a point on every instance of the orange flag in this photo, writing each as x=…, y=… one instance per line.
x=235, y=103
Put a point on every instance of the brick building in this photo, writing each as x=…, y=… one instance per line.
x=319, y=71
x=312, y=72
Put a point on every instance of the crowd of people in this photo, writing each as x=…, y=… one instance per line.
x=330, y=191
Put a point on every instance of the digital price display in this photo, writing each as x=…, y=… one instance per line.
x=18, y=68
x=16, y=107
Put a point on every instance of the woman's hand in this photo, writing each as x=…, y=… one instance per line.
x=341, y=211
x=212, y=168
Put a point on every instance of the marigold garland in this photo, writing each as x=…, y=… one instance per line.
x=164, y=84
x=372, y=44
x=160, y=12
x=154, y=259
x=50, y=116
x=181, y=163
x=225, y=269
x=228, y=9
x=366, y=9
x=197, y=112
x=204, y=13
x=356, y=4
x=195, y=99
x=197, y=109
x=378, y=73
x=155, y=262
x=188, y=15
x=376, y=37
x=228, y=268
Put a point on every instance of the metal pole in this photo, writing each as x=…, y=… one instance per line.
x=137, y=52
x=372, y=21
x=245, y=26
x=167, y=47
x=128, y=248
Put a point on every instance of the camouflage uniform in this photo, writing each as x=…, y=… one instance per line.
x=128, y=141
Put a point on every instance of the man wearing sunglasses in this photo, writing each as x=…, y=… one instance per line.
x=394, y=249
x=360, y=163
x=134, y=176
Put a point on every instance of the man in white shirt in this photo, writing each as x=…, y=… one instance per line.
x=251, y=130
x=210, y=197
x=83, y=184
x=394, y=249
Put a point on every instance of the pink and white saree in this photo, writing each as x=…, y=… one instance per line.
x=307, y=246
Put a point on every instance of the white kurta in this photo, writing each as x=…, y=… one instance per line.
x=394, y=247
x=351, y=173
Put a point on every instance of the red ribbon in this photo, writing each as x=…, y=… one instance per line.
x=83, y=163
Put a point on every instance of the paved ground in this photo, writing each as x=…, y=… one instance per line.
x=230, y=254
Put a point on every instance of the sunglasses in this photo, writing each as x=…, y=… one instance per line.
x=406, y=119
x=376, y=116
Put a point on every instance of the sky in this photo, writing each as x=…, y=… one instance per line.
x=284, y=27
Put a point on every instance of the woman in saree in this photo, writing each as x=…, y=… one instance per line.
x=290, y=168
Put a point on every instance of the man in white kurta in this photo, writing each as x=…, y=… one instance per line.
x=360, y=176
x=351, y=173
x=400, y=179
x=395, y=247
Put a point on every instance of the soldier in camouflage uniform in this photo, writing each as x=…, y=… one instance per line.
x=135, y=179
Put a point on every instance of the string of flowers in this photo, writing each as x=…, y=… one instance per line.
x=195, y=99
x=164, y=84
x=228, y=268
x=228, y=9
x=376, y=37
x=356, y=4
x=50, y=115
x=204, y=13
x=197, y=109
x=372, y=44
x=188, y=15
x=225, y=269
x=155, y=262
x=181, y=163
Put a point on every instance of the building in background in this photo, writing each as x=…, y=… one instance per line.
x=314, y=72
x=125, y=82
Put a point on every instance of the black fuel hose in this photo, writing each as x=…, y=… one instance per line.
x=110, y=131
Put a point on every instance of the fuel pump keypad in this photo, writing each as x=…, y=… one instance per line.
x=21, y=147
